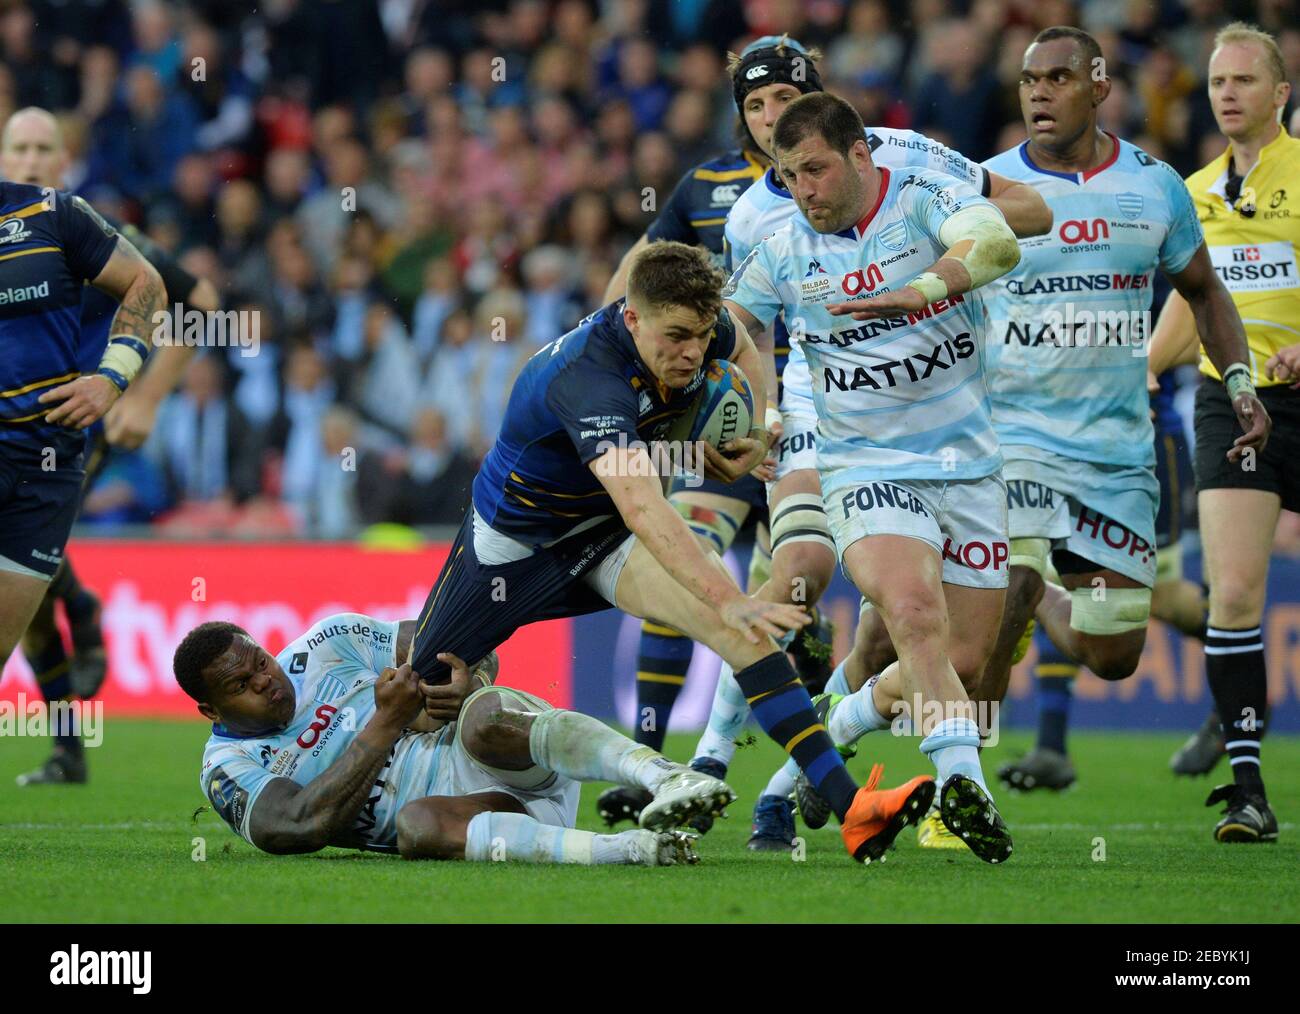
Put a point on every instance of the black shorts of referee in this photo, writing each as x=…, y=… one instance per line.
x=1276, y=469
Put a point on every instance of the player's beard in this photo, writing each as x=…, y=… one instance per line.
x=848, y=199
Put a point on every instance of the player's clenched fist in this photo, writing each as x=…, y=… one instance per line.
x=397, y=696
x=444, y=700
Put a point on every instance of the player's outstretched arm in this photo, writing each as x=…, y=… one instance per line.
x=981, y=248
x=288, y=819
x=1224, y=339
x=629, y=477
x=1021, y=205
x=136, y=284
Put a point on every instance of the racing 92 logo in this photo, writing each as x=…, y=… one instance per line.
x=324, y=715
x=1078, y=231
x=856, y=281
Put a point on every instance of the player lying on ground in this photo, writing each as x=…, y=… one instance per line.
x=331, y=743
x=569, y=516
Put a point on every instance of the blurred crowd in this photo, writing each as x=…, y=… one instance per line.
x=415, y=195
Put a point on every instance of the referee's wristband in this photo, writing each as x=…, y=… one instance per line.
x=1236, y=378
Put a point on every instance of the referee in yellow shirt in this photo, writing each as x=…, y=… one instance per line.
x=1248, y=201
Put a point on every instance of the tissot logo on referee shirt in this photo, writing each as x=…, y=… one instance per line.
x=1256, y=267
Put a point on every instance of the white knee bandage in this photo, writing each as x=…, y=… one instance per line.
x=1109, y=611
x=1031, y=553
x=801, y=518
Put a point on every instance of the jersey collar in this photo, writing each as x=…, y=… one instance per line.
x=1079, y=178
x=221, y=732
x=774, y=185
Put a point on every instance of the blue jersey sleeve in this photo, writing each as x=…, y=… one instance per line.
x=233, y=782
x=87, y=239
x=674, y=222
x=753, y=284
x=596, y=407
x=1185, y=236
x=723, y=345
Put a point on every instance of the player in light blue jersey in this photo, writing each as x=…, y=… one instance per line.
x=802, y=545
x=1067, y=364
x=906, y=450
x=331, y=743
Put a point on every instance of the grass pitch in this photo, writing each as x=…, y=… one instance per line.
x=1130, y=843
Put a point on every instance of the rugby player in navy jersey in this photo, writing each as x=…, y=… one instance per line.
x=721, y=513
x=53, y=243
x=32, y=151
x=569, y=517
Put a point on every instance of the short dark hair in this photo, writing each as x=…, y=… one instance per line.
x=201, y=647
x=668, y=273
x=819, y=113
x=1088, y=46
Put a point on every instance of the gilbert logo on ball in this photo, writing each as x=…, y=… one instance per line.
x=723, y=410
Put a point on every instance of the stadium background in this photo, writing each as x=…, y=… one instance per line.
x=500, y=154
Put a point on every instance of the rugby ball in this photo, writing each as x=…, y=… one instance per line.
x=723, y=410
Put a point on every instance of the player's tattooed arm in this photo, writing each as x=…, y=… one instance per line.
x=1224, y=338
x=135, y=283
x=288, y=819
x=131, y=279
x=1021, y=205
x=130, y=421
